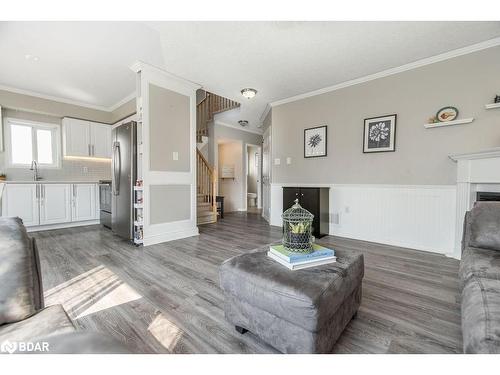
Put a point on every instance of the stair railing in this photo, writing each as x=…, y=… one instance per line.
x=206, y=181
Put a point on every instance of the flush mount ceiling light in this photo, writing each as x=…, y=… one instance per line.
x=243, y=122
x=248, y=93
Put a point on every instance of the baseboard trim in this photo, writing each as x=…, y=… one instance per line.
x=170, y=236
x=39, y=228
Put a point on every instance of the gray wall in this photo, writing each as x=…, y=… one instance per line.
x=172, y=203
x=467, y=82
x=169, y=126
x=49, y=107
x=71, y=170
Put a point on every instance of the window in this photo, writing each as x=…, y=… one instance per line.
x=27, y=141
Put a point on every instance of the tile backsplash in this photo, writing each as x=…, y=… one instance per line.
x=71, y=170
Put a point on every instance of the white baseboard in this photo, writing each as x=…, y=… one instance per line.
x=39, y=228
x=170, y=236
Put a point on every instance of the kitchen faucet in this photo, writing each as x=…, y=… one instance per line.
x=34, y=168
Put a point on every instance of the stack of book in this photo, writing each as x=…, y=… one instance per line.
x=296, y=261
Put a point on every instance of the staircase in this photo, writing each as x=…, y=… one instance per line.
x=206, y=189
x=208, y=104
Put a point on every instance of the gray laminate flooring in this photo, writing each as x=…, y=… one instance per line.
x=166, y=299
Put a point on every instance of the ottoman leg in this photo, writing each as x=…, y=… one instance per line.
x=241, y=330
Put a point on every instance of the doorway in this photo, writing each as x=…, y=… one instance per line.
x=253, y=190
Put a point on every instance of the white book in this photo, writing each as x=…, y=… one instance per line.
x=305, y=261
x=296, y=266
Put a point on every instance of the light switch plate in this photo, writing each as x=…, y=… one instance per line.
x=175, y=155
x=289, y=160
x=277, y=161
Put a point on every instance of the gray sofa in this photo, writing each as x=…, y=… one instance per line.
x=23, y=316
x=480, y=279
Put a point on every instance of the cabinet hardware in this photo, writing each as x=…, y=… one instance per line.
x=93, y=152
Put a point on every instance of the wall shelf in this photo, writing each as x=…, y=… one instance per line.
x=138, y=223
x=138, y=188
x=448, y=123
x=138, y=205
x=492, y=106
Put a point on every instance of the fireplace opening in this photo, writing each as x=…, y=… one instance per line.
x=487, y=196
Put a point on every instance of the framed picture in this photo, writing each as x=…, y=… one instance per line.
x=380, y=134
x=315, y=142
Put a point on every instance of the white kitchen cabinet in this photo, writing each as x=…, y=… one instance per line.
x=84, y=202
x=101, y=140
x=55, y=203
x=76, y=137
x=86, y=138
x=22, y=200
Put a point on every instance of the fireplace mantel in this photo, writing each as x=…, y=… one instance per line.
x=473, y=169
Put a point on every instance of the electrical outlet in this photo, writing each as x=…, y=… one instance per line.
x=175, y=155
x=277, y=161
x=85, y=170
x=289, y=160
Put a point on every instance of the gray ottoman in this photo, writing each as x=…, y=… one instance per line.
x=302, y=311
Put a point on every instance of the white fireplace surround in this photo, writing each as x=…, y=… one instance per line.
x=476, y=171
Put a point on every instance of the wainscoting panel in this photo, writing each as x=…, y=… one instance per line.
x=420, y=217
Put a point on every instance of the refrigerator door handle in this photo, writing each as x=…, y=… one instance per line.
x=117, y=165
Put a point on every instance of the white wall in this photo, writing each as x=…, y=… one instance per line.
x=231, y=153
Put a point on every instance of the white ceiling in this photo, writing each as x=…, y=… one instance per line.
x=89, y=61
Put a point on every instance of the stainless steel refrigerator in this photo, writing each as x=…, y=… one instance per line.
x=123, y=173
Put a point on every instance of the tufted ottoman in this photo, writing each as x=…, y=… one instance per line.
x=302, y=311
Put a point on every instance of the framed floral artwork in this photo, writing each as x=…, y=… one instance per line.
x=380, y=134
x=315, y=142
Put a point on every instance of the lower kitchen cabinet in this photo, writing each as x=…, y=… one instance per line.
x=84, y=202
x=55, y=203
x=21, y=200
x=50, y=204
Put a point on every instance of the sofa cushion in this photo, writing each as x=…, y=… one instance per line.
x=481, y=316
x=485, y=225
x=49, y=321
x=484, y=263
x=307, y=298
x=20, y=289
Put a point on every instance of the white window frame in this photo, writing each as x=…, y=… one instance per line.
x=35, y=125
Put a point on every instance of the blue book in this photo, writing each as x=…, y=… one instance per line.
x=319, y=252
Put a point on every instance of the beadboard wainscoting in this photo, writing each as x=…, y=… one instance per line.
x=420, y=217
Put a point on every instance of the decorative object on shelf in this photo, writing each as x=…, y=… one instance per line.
x=447, y=114
x=138, y=183
x=315, y=142
x=297, y=223
x=227, y=171
x=380, y=134
x=243, y=123
x=497, y=99
x=440, y=124
x=3, y=177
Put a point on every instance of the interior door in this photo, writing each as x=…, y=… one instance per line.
x=55, y=203
x=77, y=140
x=101, y=140
x=266, y=175
x=84, y=202
x=22, y=200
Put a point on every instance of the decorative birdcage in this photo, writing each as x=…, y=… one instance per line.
x=297, y=223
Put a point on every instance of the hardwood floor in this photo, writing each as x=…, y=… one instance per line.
x=166, y=299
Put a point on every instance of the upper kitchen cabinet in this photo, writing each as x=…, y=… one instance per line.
x=86, y=138
x=101, y=140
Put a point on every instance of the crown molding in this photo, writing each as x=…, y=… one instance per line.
x=264, y=114
x=126, y=99
x=254, y=131
x=52, y=98
x=139, y=66
x=403, y=68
